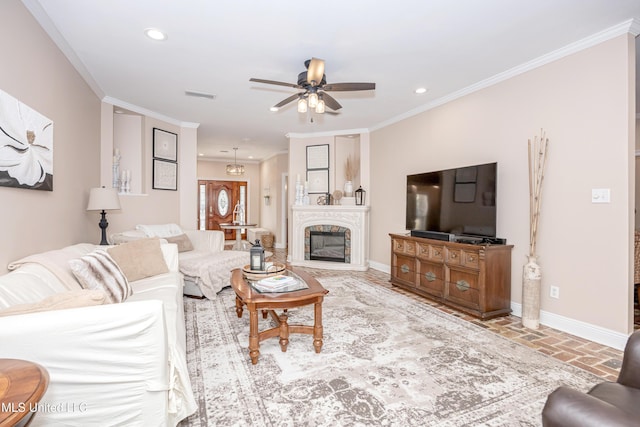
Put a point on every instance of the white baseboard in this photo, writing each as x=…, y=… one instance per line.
x=380, y=267
x=578, y=328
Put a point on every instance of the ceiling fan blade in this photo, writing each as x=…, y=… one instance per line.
x=344, y=87
x=273, y=82
x=330, y=102
x=287, y=100
x=315, y=71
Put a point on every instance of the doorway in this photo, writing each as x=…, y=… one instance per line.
x=221, y=202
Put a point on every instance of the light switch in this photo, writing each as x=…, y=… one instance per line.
x=600, y=195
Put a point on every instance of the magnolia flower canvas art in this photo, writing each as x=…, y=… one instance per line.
x=26, y=146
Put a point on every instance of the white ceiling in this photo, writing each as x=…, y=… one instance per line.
x=450, y=47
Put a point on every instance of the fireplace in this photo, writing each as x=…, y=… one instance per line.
x=330, y=246
x=350, y=221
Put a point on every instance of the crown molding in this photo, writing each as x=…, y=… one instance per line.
x=149, y=113
x=631, y=26
x=328, y=133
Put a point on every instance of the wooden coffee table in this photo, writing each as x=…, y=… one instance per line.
x=246, y=295
x=22, y=385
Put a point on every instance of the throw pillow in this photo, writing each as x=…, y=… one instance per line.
x=98, y=270
x=140, y=258
x=61, y=301
x=183, y=242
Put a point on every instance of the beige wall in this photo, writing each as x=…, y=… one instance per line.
x=272, y=171
x=35, y=72
x=585, y=104
x=215, y=170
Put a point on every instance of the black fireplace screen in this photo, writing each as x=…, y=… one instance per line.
x=327, y=246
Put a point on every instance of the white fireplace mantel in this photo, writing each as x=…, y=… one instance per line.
x=355, y=218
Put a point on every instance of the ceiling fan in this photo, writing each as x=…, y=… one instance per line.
x=313, y=84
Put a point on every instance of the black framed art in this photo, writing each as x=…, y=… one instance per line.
x=165, y=175
x=165, y=145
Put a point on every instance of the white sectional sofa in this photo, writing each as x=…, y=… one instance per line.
x=109, y=364
x=203, y=261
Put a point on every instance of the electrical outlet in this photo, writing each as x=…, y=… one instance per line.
x=554, y=292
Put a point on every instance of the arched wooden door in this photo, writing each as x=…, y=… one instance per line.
x=216, y=203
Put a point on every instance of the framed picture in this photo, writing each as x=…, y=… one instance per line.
x=464, y=193
x=165, y=175
x=318, y=181
x=26, y=146
x=165, y=145
x=318, y=157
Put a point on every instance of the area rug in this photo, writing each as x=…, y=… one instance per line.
x=387, y=360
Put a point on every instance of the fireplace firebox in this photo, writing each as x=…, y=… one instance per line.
x=327, y=246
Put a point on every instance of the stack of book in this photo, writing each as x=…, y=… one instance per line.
x=278, y=283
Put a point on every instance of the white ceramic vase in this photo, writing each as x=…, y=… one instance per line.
x=531, y=280
x=348, y=189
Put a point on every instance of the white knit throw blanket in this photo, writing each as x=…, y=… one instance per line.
x=212, y=271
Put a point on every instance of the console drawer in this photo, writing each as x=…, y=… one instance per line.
x=462, y=288
x=404, y=269
x=430, y=252
x=431, y=277
x=404, y=246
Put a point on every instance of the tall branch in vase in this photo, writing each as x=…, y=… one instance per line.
x=531, y=273
x=537, y=159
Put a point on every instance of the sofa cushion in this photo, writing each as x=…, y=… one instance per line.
x=160, y=230
x=139, y=259
x=183, y=242
x=98, y=270
x=61, y=301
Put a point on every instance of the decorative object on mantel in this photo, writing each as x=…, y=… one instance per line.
x=302, y=192
x=26, y=146
x=360, y=196
x=103, y=199
x=337, y=195
x=350, y=171
x=531, y=274
x=235, y=169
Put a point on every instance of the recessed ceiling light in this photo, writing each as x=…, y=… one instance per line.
x=155, y=34
x=421, y=90
x=200, y=154
x=273, y=109
x=251, y=157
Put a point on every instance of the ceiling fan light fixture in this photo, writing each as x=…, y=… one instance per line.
x=313, y=100
x=320, y=107
x=235, y=169
x=302, y=105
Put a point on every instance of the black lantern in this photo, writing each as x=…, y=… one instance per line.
x=256, y=254
x=360, y=194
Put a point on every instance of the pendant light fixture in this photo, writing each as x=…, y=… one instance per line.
x=235, y=169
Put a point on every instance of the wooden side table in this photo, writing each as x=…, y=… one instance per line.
x=22, y=385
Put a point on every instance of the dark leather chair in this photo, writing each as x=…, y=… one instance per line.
x=607, y=404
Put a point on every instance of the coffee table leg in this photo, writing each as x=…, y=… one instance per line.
x=284, y=332
x=238, y=307
x=254, y=341
x=317, y=327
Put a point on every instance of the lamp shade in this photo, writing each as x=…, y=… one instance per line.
x=102, y=199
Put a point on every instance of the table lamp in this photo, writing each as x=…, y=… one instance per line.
x=103, y=199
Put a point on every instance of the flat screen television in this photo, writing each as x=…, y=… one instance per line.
x=460, y=201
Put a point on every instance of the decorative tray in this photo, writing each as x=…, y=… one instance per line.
x=272, y=270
